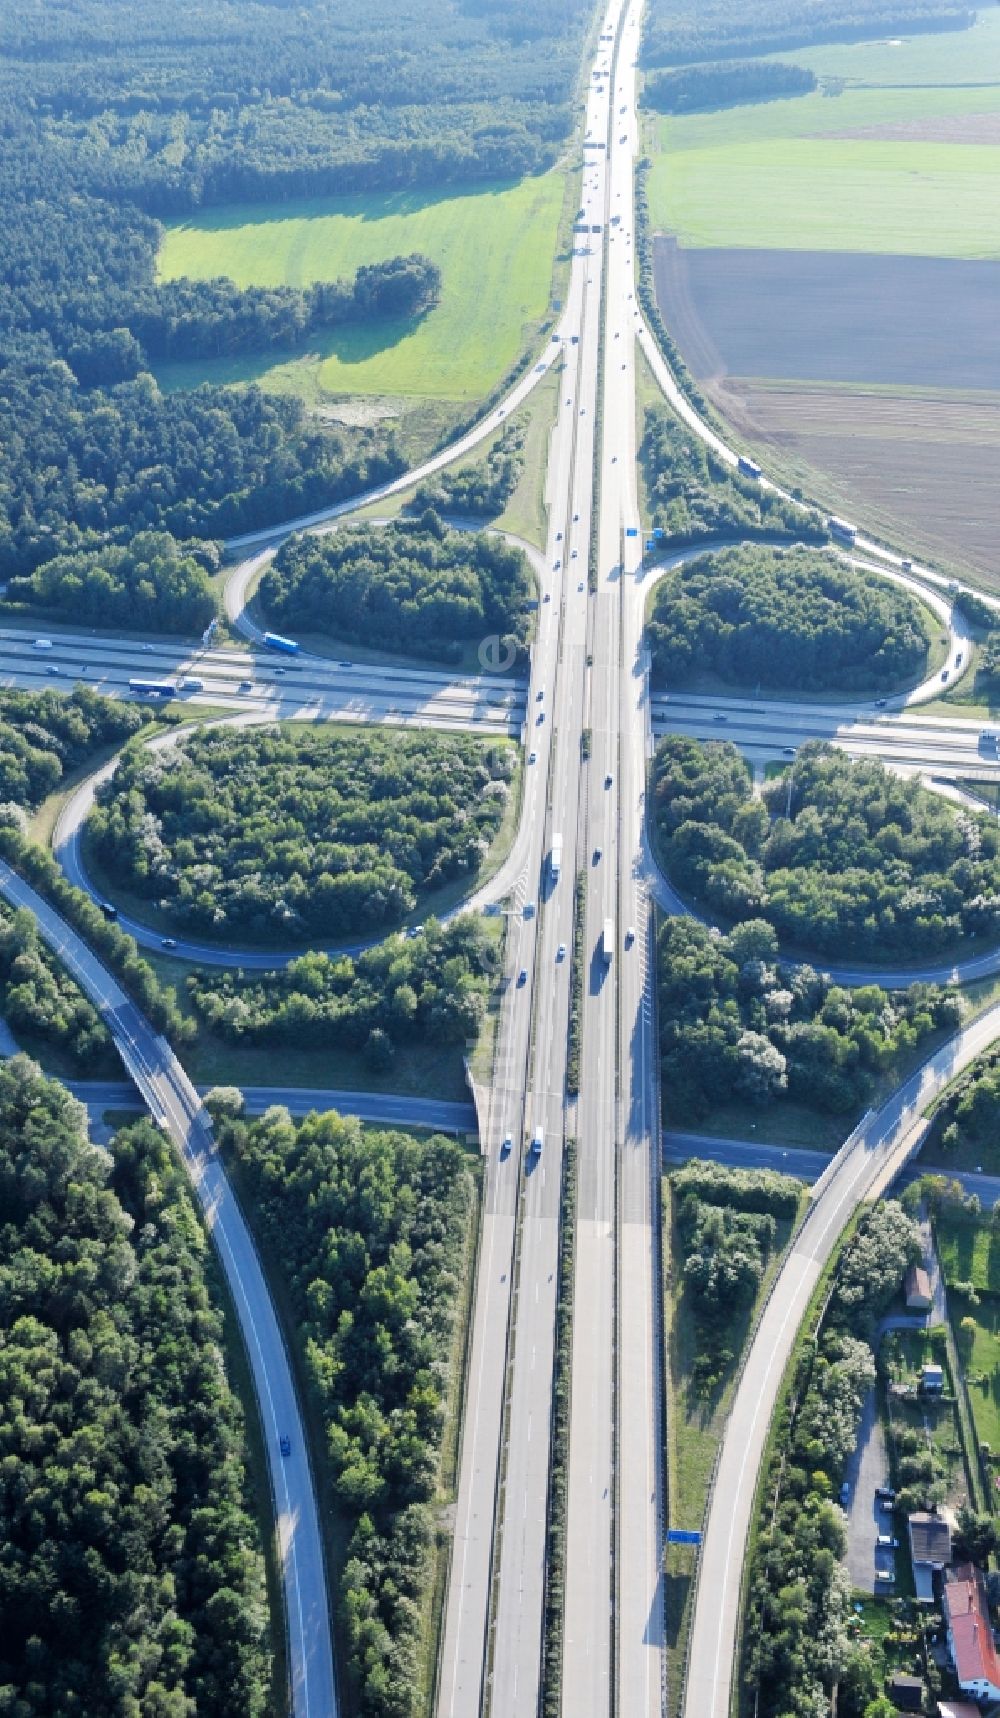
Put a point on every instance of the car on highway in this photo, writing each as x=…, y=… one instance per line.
x=42, y=644
x=561, y=952
x=720, y=716
x=574, y=554
x=147, y=650
x=575, y=517
x=540, y=694
x=285, y=1444
x=788, y=751
x=958, y=660
x=522, y=977
x=246, y=685
x=532, y=757
x=580, y=585
x=506, y=1145
x=609, y=778
x=880, y=703
x=108, y=908
x=944, y=673
x=541, y=718
x=845, y=1492
x=168, y=942
x=556, y=565
x=345, y=664
x=907, y=566
x=558, y=536
x=537, y=1141
x=528, y=910
x=597, y=855
x=53, y=668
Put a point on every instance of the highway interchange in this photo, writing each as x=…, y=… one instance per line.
x=588, y=675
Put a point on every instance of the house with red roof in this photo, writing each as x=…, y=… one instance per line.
x=970, y=1633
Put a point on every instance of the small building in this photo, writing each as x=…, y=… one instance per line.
x=906, y=1691
x=918, y=1289
x=930, y=1551
x=970, y=1636
x=932, y=1378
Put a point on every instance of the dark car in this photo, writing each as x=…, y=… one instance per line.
x=285, y=1444
x=168, y=942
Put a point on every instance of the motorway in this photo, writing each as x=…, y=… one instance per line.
x=589, y=676
x=773, y=728
x=172, y=1100
x=304, y=688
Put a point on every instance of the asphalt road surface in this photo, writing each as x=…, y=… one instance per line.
x=175, y=1105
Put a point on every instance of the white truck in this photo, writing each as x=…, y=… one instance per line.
x=555, y=858
x=608, y=941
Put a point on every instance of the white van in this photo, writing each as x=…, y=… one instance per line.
x=42, y=644
x=537, y=1141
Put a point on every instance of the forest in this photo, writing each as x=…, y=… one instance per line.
x=414, y=586
x=46, y=735
x=131, y=1568
x=371, y=1233
x=784, y=618
x=739, y=1024
x=729, y=83
x=81, y=469
x=44, y=1007
x=798, y=1643
x=969, y=1112
x=428, y=988
x=299, y=831
x=839, y=856
x=150, y=584
x=481, y=490
x=181, y=110
x=694, y=495
x=681, y=32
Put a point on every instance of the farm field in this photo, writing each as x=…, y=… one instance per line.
x=495, y=247
x=828, y=265
x=918, y=465
x=836, y=193
x=896, y=321
x=898, y=151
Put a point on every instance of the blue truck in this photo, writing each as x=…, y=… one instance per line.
x=274, y=641
x=749, y=467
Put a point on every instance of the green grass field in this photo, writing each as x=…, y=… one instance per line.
x=495, y=247
x=969, y=1251
x=801, y=174
x=926, y=199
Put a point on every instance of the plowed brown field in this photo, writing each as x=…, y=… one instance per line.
x=875, y=379
x=921, y=468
